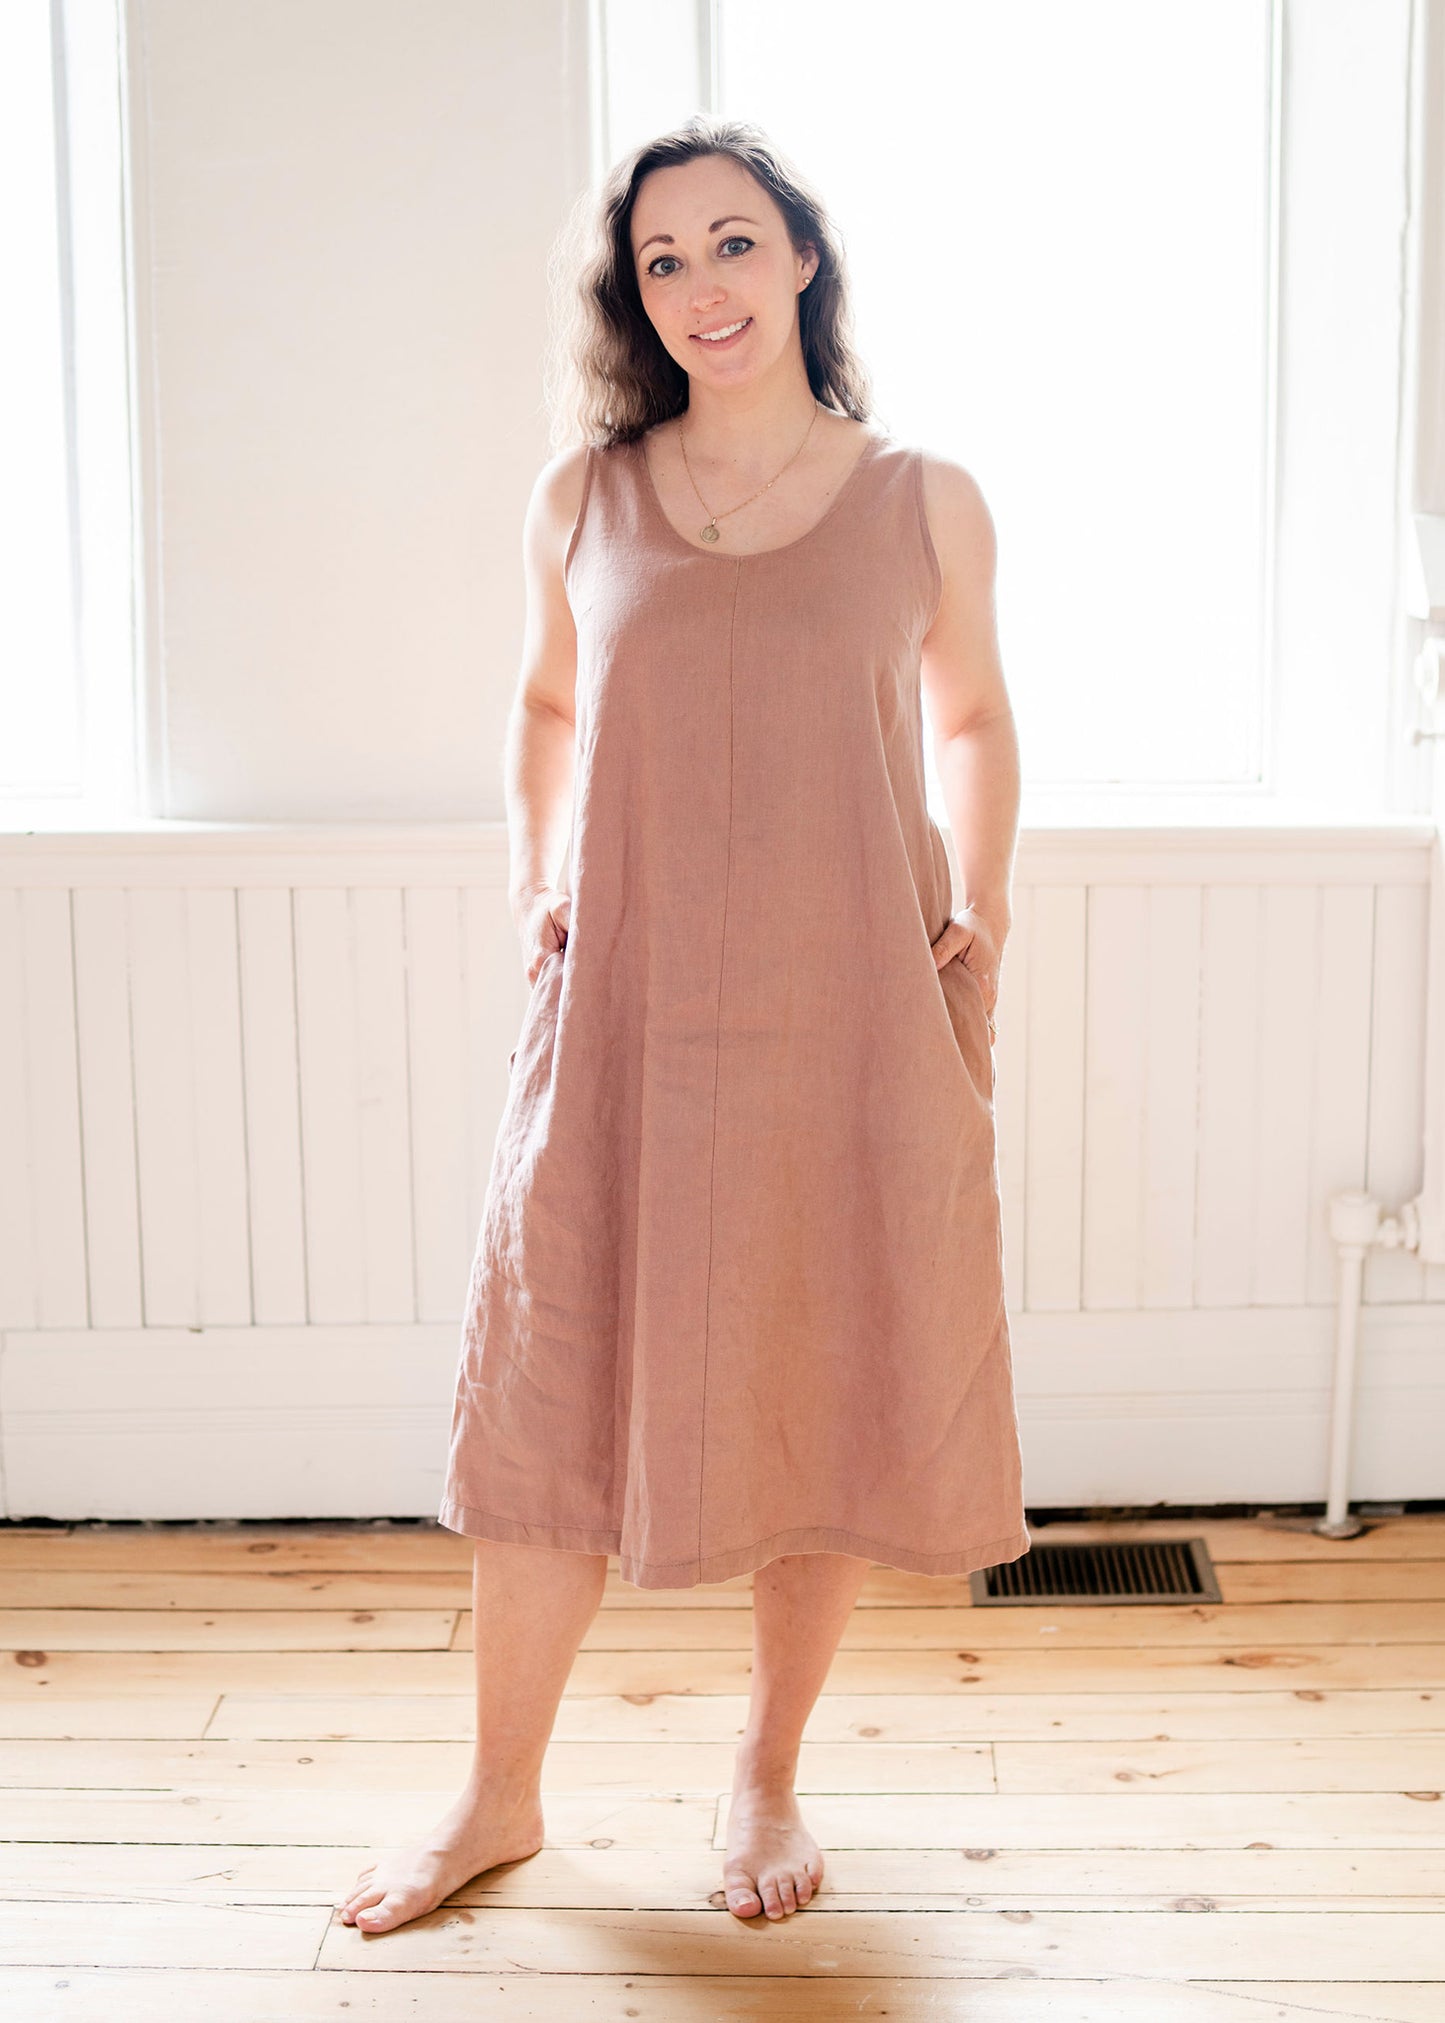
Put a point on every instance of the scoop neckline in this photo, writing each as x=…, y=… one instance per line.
x=876, y=439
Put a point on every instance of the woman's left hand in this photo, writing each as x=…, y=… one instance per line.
x=969, y=938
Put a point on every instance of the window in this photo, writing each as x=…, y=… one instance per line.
x=1140, y=269
x=66, y=574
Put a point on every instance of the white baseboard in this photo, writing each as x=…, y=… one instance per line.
x=1221, y=1406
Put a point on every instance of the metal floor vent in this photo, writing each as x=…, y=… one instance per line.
x=1122, y=1571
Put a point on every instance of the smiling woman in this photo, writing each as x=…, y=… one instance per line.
x=727, y=304
x=643, y=286
x=736, y=1305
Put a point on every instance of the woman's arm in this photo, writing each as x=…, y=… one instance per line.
x=974, y=740
x=541, y=727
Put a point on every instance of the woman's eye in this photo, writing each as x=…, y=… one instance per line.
x=734, y=239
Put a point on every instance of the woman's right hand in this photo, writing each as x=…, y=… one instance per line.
x=543, y=919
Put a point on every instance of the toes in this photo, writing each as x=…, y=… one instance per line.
x=743, y=1899
x=382, y=1914
x=361, y=1905
x=778, y=1896
x=357, y=1891
x=772, y=1899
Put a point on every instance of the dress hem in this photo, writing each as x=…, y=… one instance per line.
x=718, y=1566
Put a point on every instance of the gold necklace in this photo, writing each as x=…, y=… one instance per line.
x=710, y=531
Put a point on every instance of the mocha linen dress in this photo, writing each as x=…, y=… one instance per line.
x=738, y=1289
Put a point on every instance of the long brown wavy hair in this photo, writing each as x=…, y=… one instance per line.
x=608, y=375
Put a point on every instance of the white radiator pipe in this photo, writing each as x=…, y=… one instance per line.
x=1357, y=1225
x=1428, y=1206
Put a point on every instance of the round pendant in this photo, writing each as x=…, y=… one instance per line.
x=709, y=532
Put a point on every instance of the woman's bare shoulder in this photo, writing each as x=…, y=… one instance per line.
x=954, y=484
x=958, y=514
x=557, y=489
x=555, y=504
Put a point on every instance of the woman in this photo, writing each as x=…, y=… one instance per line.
x=737, y=1301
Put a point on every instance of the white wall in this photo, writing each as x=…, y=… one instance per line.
x=342, y=211
x=249, y=1087
x=249, y=1080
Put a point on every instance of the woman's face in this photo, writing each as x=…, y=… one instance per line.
x=711, y=250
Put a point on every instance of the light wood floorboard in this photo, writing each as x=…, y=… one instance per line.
x=1193, y=1814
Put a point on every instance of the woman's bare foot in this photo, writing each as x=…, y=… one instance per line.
x=406, y=1883
x=773, y=1863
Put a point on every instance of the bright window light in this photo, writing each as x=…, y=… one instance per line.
x=1057, y=222
x=39, y=680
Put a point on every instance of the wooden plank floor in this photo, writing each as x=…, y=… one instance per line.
x=1107, y=1815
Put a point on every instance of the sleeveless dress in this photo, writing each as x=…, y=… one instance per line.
x=738, y=1289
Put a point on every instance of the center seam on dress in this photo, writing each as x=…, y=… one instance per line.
x=717, y=1067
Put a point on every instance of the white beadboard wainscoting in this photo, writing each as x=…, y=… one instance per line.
x=250, y=1081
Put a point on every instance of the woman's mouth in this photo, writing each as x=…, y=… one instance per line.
x=728, y=334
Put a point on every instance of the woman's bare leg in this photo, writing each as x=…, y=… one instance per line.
x=530, y=1610
x=801, y=1603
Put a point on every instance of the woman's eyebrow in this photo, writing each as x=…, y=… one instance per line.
x=716, y=225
